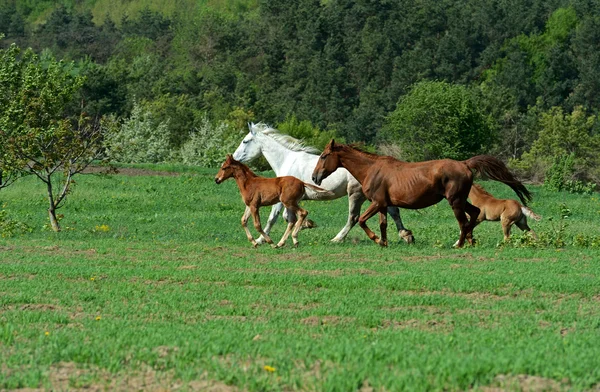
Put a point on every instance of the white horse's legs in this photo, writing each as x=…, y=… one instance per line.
x=275, y=211
x=355, y=201
x=403, y=232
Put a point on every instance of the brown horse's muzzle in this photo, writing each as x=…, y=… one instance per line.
x=218, y=180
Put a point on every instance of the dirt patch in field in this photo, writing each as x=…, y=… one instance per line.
x=472, y=295
x=43, y=307
x=525, y=383
x=314, y=321
x=68, y=376
x=129, y=171
x=438, y=325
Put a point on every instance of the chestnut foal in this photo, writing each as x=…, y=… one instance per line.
x=508, y=212
x=261, y=191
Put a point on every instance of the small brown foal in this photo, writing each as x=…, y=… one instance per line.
x=507, y=211
x=261, y=191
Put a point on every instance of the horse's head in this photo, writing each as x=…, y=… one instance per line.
x=249, y=149
x=328, y=162
x=226, y=170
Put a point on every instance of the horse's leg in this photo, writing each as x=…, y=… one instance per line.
x=362, y=221
x=522, y=224
x=285, y=235
x=403, y=232
x=355, y=200
x=383, y=227
x=275, y=211
x=506, y=225
x=302, y=213
x=294, y=225
x=257, y=225
x=473, y=215
x=470, y=235
x=458, y=207
x=245, y=226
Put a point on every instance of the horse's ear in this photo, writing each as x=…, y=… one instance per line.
x=331, y=144
x=251, y=127
x=229, y=158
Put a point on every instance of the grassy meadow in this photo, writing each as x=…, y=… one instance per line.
x=153, y=285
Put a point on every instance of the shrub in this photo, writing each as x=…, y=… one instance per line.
x=438, y=120
x=139, y=139
x=10, y=227
x=565, y=149
x=305, y=131
x=208, y=144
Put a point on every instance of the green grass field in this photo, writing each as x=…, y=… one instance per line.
x=152, y=284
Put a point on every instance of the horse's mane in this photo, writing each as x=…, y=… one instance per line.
x=245, y=168
x=286, y=141
x=360, y=148
x=480, y=189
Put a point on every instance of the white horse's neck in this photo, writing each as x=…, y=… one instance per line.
x=275, y=153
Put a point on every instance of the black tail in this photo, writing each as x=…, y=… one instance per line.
x=496, y=170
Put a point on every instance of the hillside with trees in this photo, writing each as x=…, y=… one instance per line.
x=517, y=79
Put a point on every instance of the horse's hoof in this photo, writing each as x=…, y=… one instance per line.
x=296, y=244
x=407, y=236
x=255, y=244
x=382, y=243
x=308, y=224
x=274, y=246
x=260, y=240
x=280, y=245
x=337, y=240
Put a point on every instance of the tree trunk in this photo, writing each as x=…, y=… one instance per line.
x=53, y=220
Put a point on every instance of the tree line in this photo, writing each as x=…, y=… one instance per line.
x=420, y=80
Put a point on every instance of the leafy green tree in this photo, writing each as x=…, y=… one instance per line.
x=438, y=120
x=10, y=165
x=54, y=148
x=564, y=135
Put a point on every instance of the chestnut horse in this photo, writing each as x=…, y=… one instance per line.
x=508, y=212
x=260, y=191
x=389, y=182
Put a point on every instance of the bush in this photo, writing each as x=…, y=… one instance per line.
x=565, y=149
x=139, y=139
x=208, y=144
x=10, y=227
x=438, y=120
x=305, y=131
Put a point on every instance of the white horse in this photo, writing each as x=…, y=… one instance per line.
x=290, y=157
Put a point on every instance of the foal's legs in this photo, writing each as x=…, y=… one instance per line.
x=506, y=226
x=245, y=226
x=403, y=232
x=257, y=225
x=302, y=213
x=275, y=211
x=522, y=224
x=292, y=228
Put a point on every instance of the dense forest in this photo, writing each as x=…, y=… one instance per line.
x=419, y=79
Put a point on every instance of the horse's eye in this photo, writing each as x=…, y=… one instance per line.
x=245, y=141
x=323, y=157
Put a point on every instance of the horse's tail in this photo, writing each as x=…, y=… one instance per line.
x=496, y=170
x=530, y=214
x=321, y=193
